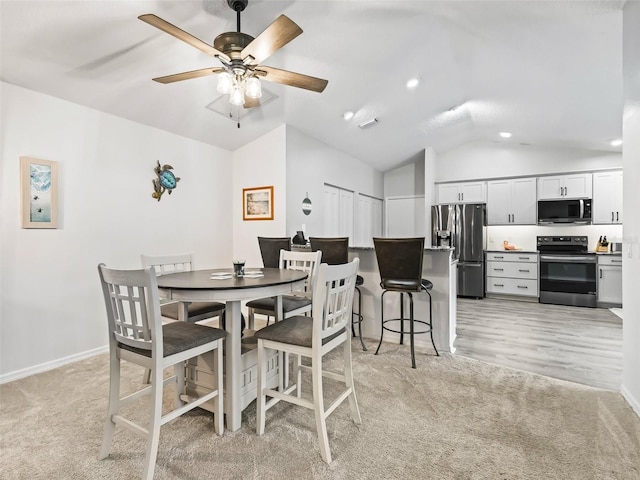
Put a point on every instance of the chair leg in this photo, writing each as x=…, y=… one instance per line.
x=402, y=318
x=146, y=376
x=261, y=398
x=348, y=380
x=431, y=325
x=178, y=369
x=299, y=376
x=318, y=404
x=218, y=401
x=114, y=404
x=154, y=427
x=411, y=331
x=381, y=321
x=252, y=319
x=360, y=319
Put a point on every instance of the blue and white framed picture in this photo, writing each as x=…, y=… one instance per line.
x=39, y=190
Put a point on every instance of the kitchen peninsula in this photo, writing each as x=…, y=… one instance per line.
x=439, y=267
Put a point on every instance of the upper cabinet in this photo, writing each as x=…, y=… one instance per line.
x=511, y=202
x=578, y=185
x=467, y=192
x=607, y=197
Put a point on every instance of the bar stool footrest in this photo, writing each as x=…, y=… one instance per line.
x=407, y=331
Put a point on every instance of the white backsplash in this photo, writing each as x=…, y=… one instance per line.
x=524, y=236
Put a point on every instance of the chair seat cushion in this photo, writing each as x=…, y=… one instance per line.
x=289, y=303
x=181, y=336
x=194, y=308
x=406, y=285
x=295, y=330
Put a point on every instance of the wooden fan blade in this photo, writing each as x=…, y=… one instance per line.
x=251, y=102
x=188, y=75
x=167, y=27
x=291, y=78
x=274, y=37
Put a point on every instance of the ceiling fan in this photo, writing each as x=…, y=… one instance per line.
x=241, y=56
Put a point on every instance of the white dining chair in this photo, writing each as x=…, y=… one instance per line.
x=137, y=335
x=182, y=262
x=298, y=302
x=327, y=329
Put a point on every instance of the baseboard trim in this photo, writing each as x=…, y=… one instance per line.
x=44, y=367
x=631, y=400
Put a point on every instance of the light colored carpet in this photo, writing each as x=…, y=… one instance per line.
x=451, y=418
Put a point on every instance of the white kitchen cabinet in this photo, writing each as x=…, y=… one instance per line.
x=577, y=185
x=609, y=287
x=607, y=197
x=511, y=202
x=512, y=273
x=466, y=192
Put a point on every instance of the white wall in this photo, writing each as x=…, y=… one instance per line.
x=631, y=247
x=481, y=160
x=405, y=180
x=51, y=306
x=311, y=164
x=258, y=164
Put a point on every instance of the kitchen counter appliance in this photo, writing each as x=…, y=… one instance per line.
x=463, y=227
x=567, y=271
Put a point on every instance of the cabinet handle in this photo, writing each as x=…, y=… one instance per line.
x=612, y=216
x=513, y=218
x=613, y=260
x=499, y=269
x=523, y=258
x=524, y=271
x=498, y=284
x=617, y=216
x=600, y=273
x=462, y=196
x=522, y=286
x=498, y=256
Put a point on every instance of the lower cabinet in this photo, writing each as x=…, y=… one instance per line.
x=609, y=287
x=512, y=273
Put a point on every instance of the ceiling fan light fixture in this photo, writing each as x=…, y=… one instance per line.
x=253, y=88
x=237, y=96
x=225, y=83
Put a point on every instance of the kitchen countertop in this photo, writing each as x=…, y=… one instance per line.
x=615, y=254
x=427, y=249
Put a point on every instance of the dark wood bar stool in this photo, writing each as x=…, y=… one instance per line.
x=400, y=266
x=335, y=251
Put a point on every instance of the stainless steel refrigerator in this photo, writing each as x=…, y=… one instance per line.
x=463, y=227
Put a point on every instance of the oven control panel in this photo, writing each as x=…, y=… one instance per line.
x=567, y=240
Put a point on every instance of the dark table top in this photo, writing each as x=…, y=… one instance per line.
x=201, y=279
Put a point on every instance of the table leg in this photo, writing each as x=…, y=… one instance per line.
x=285, y=357
x=233, y=360
x=183, y=311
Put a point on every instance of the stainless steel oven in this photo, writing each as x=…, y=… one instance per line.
x=567, y=271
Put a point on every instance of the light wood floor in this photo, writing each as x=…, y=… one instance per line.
x=582, y=345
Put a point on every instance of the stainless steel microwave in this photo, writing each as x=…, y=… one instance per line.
x=576, y=211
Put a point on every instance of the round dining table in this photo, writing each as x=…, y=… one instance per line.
x=213, y=286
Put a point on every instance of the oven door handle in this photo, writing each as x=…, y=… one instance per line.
x=567, y=259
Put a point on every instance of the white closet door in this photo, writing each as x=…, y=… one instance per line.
x=331, y=211
x=346, y=215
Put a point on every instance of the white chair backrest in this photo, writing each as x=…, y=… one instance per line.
x=333, y=298
x=133, y=307
x=182, y=262
x=304, y=261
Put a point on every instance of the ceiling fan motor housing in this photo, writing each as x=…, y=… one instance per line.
x=237, y=5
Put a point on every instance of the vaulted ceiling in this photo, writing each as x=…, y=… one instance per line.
x=549, y=72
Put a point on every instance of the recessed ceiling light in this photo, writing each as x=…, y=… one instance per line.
x=616, y=143
x=413, y=82
x=348, y=115
x=505, y=134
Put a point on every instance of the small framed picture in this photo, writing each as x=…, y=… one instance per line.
x=257, y=203
x=39, y=193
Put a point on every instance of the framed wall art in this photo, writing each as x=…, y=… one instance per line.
x=39, y=193
x=257, y=203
